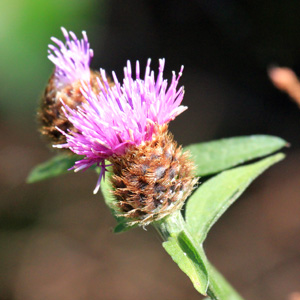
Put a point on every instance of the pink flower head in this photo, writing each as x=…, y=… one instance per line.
x=121, y=116
x=71, y=60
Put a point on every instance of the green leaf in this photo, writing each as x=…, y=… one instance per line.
x=191, y=259
x=218, y=287
x=106, y=189
x=215, y=156
x=110, y=200
x=182, y=251
x=56, y=166
x=213, y=197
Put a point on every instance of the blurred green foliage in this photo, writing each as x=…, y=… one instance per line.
x=25, y=30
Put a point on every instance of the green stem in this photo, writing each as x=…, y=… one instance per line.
x=218, y=287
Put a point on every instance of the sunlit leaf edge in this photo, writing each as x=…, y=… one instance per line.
x=193, y=215
x=218, y=155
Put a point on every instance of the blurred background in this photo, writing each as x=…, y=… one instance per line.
x=56, y=239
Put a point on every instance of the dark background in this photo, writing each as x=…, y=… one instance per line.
x=56, y=239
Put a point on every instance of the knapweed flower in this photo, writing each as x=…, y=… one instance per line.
x=72, y=60
x=127, y=125
x=72, y=67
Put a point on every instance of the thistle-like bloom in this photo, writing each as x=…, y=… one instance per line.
x=127, y=125
x=122, y=116
x=72, y=59
x=72, y=67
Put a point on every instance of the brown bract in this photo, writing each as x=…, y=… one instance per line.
x=152, y=180
x=50, y=114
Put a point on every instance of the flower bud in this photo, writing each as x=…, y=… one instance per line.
x=72, y=67
x=50, y=115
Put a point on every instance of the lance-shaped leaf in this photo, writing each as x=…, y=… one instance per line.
x=191, y=259
x=56, y=166
x=183, y=252
x=214, y=197
x=218, y=286
x=215, y=156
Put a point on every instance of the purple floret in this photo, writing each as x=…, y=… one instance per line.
x=121, y=116
x=72, y=59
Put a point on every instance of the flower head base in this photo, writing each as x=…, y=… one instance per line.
x=72, y=60
x=121, y=117
x=152, y=180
